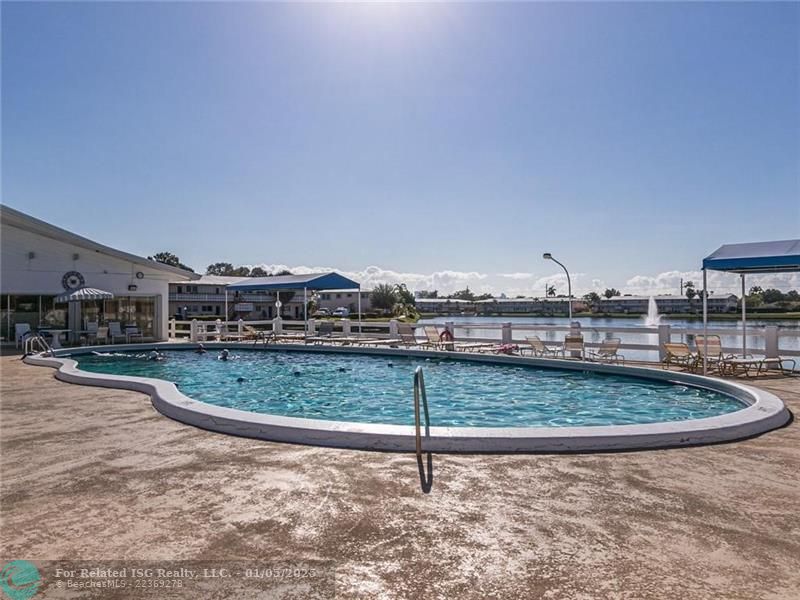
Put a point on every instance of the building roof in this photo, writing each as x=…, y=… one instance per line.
x=14, y=218
x=216, y=280
x=756, y=257
x=311, y=281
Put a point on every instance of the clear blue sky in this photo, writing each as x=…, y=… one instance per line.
x=625, y=138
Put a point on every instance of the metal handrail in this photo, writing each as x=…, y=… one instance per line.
x=33, y=340
x=419, y=390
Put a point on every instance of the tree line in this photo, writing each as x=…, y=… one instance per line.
x=218, y=268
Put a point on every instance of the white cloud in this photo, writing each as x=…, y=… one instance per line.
x=529, y=284
x=444, y=281
x=517, y=275
x=718, y=282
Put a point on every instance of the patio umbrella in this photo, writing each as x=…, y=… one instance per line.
x=84, y=294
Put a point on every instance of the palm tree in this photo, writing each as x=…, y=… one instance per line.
x=551, y=290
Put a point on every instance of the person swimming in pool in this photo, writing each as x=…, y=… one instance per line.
x=155, y=355
x=224, y=355
x=201, y=349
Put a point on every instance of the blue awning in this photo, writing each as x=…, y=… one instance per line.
x=312, y=281
x=756, y=257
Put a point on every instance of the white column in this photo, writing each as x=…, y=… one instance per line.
x=359, y=310
x=346, y=327
x=393, y=328
x=226, y=304
x=705, y=321
x=193, y=331
x=771, y=341
x=305, y=310
x=744, y=321
x=506, y=333
x=663, y=338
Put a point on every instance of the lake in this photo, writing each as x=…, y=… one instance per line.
x=589, y=325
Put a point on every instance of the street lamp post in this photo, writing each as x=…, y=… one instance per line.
x=548, y=256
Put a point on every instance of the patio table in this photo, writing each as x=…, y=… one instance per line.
x=56, y=334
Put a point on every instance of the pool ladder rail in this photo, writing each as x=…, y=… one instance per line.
x=419, y=392
x=32, y=342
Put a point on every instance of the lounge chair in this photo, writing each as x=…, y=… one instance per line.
x=324, y=333
x=539, y=349
x=115, y=332
x=433, y=335
x=679, y=354
x=477, y=346
x=573, y=344
x=388, y=341
x=608, y=351
x=435, y=341
x=408, y=338
x=778, y=361
x=289, y=336
x=256, y=335
x=716, y=358
x=392, y=341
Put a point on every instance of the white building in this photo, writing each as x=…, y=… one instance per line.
x=668, y=304
x=333, y=299
x=205, y=298
x=498, y=306
x=40, y=261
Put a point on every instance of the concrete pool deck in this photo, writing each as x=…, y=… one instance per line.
x=98, y=474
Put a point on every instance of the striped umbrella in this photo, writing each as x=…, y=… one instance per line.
x=84, y=294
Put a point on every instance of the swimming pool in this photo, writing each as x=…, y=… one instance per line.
x=362, y=398
x=377, y=389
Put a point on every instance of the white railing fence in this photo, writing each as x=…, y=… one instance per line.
x=771, y=341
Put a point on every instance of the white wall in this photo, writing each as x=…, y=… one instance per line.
x=42, y=274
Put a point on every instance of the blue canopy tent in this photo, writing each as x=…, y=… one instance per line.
x=757, y=257
x=312, y=281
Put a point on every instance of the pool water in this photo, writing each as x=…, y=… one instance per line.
x=378, y=389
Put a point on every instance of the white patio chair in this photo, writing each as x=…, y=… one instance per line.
x=115, y=332
x=21, y=331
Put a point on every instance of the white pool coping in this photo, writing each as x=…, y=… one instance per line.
x=764, y=411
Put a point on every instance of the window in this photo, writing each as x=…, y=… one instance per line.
x=136, y=311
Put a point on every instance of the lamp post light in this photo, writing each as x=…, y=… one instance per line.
x=548, y=256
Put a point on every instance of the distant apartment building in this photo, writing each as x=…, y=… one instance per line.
x=333, y=299
x=499, y=306
x=667, y=304
x=205, y=298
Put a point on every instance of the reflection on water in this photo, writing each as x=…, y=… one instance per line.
x=755, y=338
